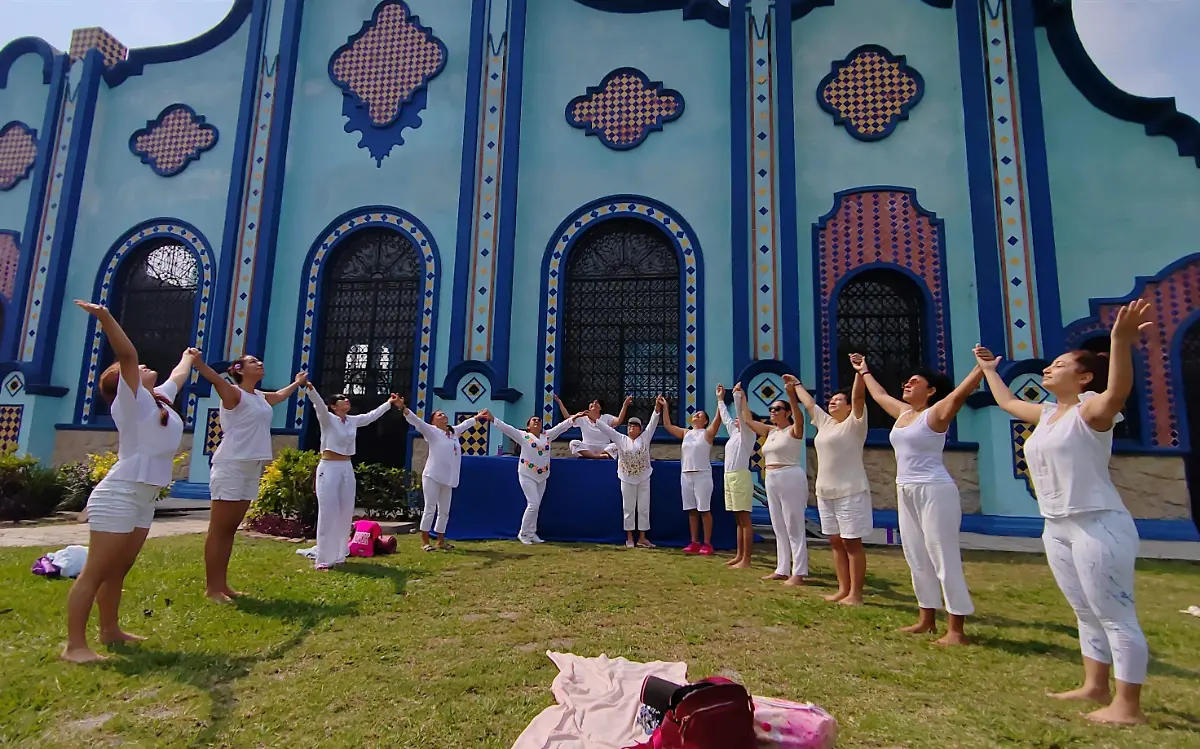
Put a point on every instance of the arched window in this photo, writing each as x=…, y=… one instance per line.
x=881, y=315
x=155, y=302
x=1129, y=428
x=621, y=323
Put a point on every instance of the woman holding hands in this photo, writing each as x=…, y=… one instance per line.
x=739, y=484
x=439, y=478
x=533, y=468
x=633, y=469
x=695, y=475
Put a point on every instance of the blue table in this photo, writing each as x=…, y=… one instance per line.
x=582, y=503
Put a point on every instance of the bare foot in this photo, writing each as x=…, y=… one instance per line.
x=835, y=597
x=733, y=562
x=952, y=638
x=1099, y=694
x=742, y=565
x=851, y=601
x=112, y=638
x=794, y=580
x=218, y=596
x=774, y=576
x=1119, y=715
x=233, y=593
x=80, y=655
x=919, y=628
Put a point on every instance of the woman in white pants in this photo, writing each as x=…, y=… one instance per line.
x=238, y=462
x=592, y=442
x=121, y=507
x=695, y=475
x=439, y=478
x=739, y=484
x=843, y=491
x=633, y=469
x=786, y=483
x=927, y=499
x=335, y=473
x=533, y=468
x=1090, y=538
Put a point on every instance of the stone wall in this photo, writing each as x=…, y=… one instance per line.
x=73, y=445
x=1153, y=486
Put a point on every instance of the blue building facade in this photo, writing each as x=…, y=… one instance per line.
x=484, y=203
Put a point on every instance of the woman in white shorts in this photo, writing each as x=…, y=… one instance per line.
x=927, y=499
x=238, y=462
x=121, y=507
x=843, y=492
x=533, y=468
x=439, y=478
x=695, y=475
x=592, y=442
x=1090, y=537
x=335, y=473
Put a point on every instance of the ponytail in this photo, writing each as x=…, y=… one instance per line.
x=1093, y=363
x=110, y=380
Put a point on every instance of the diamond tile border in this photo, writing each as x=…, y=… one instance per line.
x=763, y=222
x=1020, y=431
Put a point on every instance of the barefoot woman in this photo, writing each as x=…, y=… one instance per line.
x=1091, y=541
x=121, y=507
x=695, y=476
x=739, y=484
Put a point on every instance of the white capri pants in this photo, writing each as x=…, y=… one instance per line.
x=635, y=502
x=787, y=497
x=118, y=506
x=335, y=510
x=578, y=446
x=847, y=517
x=1092, y=555
x=235, y=480
x=437, y=503
x=533, y=491
x=697, y=487
x=930, y=516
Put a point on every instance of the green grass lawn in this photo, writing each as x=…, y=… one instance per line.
x=448, y=649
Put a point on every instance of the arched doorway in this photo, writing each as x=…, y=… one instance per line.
x=1189, y=355
x=370, y=304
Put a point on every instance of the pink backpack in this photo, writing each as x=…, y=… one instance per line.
x=362, y=542
x=782, y=724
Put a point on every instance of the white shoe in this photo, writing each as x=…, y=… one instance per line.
x=525, y=540
x=536, y=539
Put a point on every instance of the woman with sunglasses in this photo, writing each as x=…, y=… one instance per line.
x=927, y=499
x=439, y=478
x=533, y=468
x=335, y=473
x=786, y=483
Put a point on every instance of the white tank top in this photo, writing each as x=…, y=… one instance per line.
x=1068, y=462
x=781, y=448
x=245, y=430
x=696, y=453
x=919, y=451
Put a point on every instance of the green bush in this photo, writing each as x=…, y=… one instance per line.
x=387, y=493
x=27, y=488
x=78, y=479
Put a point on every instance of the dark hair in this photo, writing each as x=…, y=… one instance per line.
x=333, y=400
x=111, y=378
x=941, y=384
x=786, y=407
x=598, y=402
x=844, y=392
x=1095, y=364
x=531, y=418
x=235, y=367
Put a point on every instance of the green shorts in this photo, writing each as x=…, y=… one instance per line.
x=739, y=491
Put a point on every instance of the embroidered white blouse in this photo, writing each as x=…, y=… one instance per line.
x=633, y=455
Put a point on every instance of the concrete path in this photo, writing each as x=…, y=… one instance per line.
x=58, y=535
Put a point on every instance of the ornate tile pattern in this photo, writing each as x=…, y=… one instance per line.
x=474, y=441
x=95, y=37
x=212, y=431
x=684, y=241
x=10, y=426
x=624, y=109
x=1020, y=432
x=764, y=275
x=312, y=286
x=870, y=92
x=880, y=227
x=14, y=384
x=173, y=140
x=18, y=153
x=1009, y=181
x=207, y=268
x=10, y=258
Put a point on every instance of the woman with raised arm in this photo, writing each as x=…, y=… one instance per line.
x=592, y=442
x=786, y=483
x=533, y=468
x=238, y=462
x=633, y=469
x=335, y=473
x=739, y=484
x=1090, y=538
x=695, y=475
x=439, y=478
x=843, y=491
x=121, y=507
x=927, y=499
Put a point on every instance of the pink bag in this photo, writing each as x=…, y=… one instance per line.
x=362, y=542
x=793, y=725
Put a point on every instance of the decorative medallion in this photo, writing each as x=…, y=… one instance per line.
x=97, y=38
x=173, y=140
x=18, y=152
x=625, y=108
x=384, y=72
x=10, y=258
x=870, y=92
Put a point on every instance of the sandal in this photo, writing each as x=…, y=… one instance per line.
x=646, y=545
x=428, y=547
x=446, y=547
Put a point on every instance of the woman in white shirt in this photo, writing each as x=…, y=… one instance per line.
x=533, y=468
x=633, y=469
x=786, y=484
x=695, y=475
x=121, y=507
x=739, y=484
x=1091, y=540
x=335, y=473
x=927, y=499
x=592, y=442
x=238, y=462
x=439, y=478
x=843, y=491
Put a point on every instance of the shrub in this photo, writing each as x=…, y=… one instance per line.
x=78, y=479
x=386, y=493
x=27, y=488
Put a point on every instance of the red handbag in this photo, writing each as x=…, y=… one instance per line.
x=714, y=713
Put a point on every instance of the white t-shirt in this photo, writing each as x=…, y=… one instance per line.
x=145, y=449
x=840, y=470
x=245, y=429
x=740, y=444
x=696, y=451
x=1068, y=463
x=590, y=433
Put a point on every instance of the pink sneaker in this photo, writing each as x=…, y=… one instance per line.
x=692, y=548
x=705, y=551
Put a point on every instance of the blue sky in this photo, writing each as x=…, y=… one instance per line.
x=1147, y=47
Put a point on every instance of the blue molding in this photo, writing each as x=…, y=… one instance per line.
x=801, y=8
x=273, y=182
x=152, y=125
x=757, y=367
x=647, y=85
x=448, y=390
x=835, y=69
x=789, y=240
x=28, y=45
x=1075, y=330
x=710, y=11
x=15, y=125
x=1160, y=116
x=741, y=247
x=380, y=138
x=138, y=59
